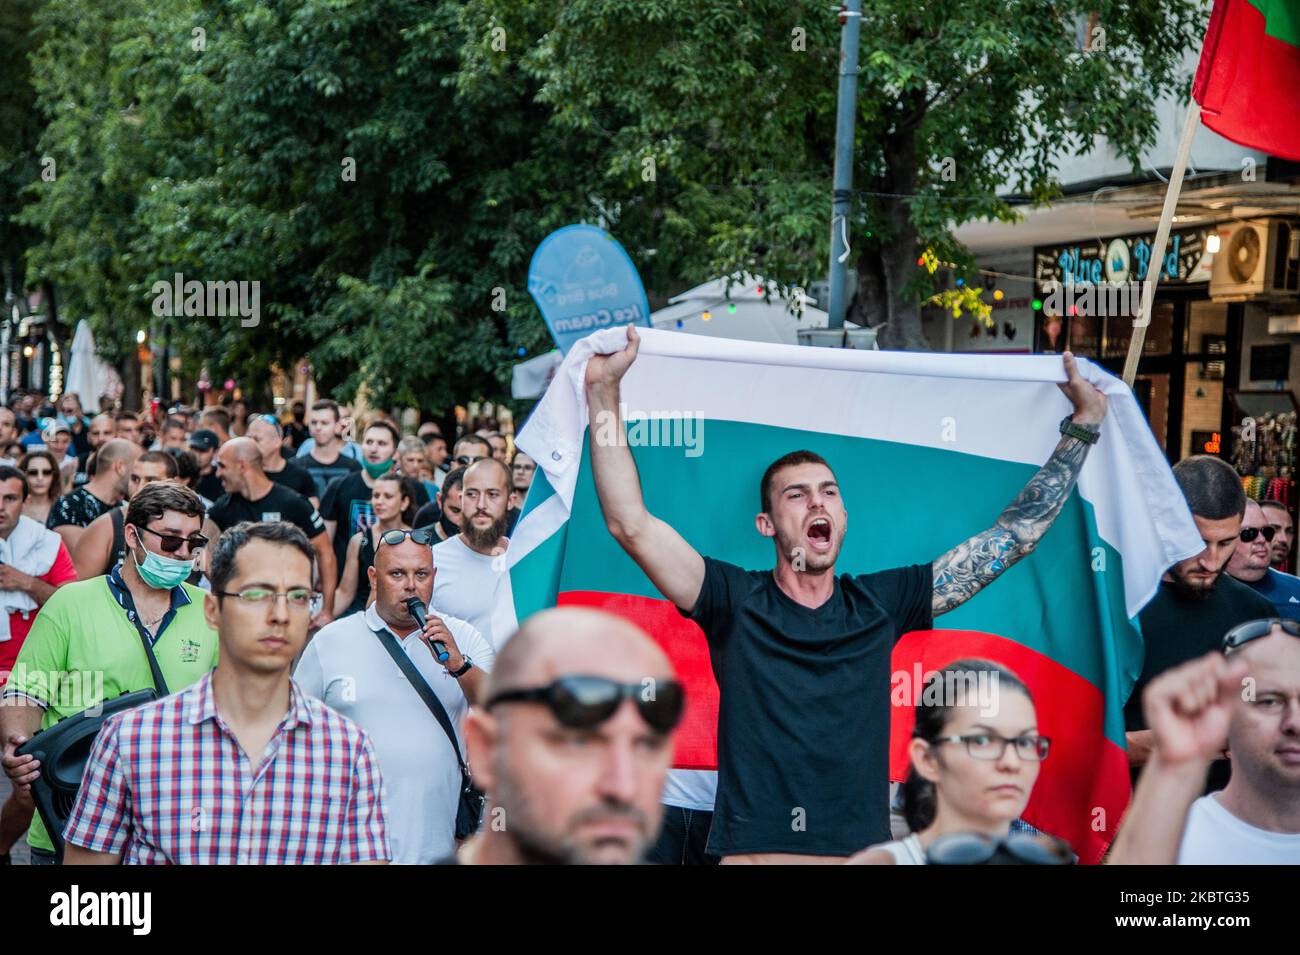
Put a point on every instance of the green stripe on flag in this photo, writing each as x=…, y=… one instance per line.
x=1281, y=19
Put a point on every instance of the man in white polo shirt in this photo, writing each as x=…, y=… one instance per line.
x=347, y=667
x=470, y=565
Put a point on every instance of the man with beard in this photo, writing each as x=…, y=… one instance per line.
x=1197, y=602
x=801, y=656
x=1279, y=518
x=469, y=564
x=1250, y=564
x=569, y=746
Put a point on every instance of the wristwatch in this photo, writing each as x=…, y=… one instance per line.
x=469, y=665
x=1086, y=433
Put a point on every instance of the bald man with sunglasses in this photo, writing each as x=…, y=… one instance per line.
x=349, y=666
x=572, y=743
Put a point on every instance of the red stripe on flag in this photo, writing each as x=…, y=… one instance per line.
x=683, y=641
x=1083, y=787
x=1248, y=83
x=1085, y=772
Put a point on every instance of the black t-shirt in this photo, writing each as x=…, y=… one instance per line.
x=1176, y=629
x=77, y=509
x=278, y=504
x=803, y=714
x=210, y=486
x=295, y=478
x=324, y=474
x=347, y=502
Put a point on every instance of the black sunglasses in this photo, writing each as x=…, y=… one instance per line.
x=1248, y=534
x=584, y=702
x=1243, y=633
x=421, y=535
x=466, y=460
x=1018, y=848
x=170, y=543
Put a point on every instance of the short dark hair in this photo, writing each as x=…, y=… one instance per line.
x=221, y=563
x=171, y=423
x=153, y=500
x=163, y=458
x=9, y=473
x=1273, y=502
x=220, y=415
x=1212, y=488
x=388, y=426
x=784, y=461
x=472, y=439
x=327, y=404
x=126, y=416
x=455, y=478
x=187, y=465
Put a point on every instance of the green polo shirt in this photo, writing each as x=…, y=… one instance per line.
x=83, y=650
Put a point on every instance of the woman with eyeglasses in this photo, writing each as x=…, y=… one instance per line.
x=43, y=482
x=393, y=499
x=975, y=754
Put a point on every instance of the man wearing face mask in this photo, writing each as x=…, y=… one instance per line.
x=97, y=626
x=443, y=513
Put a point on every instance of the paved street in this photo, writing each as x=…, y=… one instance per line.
x=19, y=852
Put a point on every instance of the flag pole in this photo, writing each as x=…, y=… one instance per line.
x=1156, y=263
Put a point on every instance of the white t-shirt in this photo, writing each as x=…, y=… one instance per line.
x=468, y=584
x=691, y=789
x=1215, y=836
x=347, y=668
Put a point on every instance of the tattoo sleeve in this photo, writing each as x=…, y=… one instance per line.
x=964, y=571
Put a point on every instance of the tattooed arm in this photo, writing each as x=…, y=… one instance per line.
x=965, y=570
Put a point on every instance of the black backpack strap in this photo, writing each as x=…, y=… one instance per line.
x=159, y=682
x=421, y=686
x=118, y=520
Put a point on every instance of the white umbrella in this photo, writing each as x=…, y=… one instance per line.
x=88, y=375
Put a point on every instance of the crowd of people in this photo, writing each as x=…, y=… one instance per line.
x=315, y=604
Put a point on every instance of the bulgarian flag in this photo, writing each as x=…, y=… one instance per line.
x=1248, y=80
x=928, y=450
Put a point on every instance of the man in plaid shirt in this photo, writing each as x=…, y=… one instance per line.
x=242, y=767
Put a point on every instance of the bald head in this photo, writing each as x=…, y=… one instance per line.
x=244, y=450
x=573, y=640
x=115, y=450
x=488, y=470
x=400, y=572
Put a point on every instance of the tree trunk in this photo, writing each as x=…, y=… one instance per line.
x=899, y=254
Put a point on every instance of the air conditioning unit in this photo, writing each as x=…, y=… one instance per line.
x=1258, y=260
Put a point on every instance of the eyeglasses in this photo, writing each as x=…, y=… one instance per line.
x=1019, y=848
x=989, y=746
x=298, y=598
x=466, y=460
x=584, y=702
x=1243, y=633
x=170, y=543
x=421, y=535
x=1248, y=534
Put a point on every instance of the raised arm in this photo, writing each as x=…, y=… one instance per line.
x=672, y=565
x=965, y=570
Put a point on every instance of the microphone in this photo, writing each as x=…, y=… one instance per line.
x=416, y=607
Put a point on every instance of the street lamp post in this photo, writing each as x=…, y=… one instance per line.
x=842, y=196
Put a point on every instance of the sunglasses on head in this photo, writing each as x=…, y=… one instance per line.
x=584, y=702
x=1243, y=633
x=1018, y=848
x=1248, y=534
x=421, y=535
x=170, y=543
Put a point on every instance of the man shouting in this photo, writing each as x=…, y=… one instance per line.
x=801, y=655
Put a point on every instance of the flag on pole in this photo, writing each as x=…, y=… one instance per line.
x=928, y=450
x=1248, y=79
